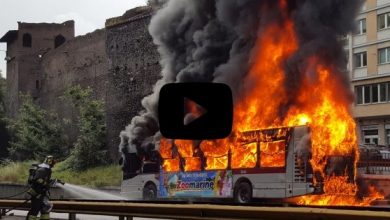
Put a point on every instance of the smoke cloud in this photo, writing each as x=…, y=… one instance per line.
x=212, y=41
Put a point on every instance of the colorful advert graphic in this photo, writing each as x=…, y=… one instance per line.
x=196, y=184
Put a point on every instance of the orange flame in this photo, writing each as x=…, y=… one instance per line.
x=192, y=164
x=172, y=165
x=273, y=154
x=216, y=153
x=338, y=192
x=244, y=156
x=165, y=148
x=185, y=148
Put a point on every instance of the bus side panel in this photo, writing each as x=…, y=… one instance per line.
x=274, y=185
x=133, y=188
x=302, y=189
x=271, y=192
x=266, y=185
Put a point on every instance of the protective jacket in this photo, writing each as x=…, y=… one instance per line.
x=41, y=181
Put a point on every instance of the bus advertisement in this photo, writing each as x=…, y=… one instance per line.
x=211, y=184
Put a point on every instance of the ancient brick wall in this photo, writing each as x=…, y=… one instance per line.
x=134, y=69
x=24, y=68
x=81, y=61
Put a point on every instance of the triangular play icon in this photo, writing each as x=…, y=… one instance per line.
x=192, y=111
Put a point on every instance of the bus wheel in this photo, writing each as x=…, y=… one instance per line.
x=243, y=193
x=150, y=192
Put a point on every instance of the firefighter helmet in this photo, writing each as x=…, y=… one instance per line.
x=49, y=160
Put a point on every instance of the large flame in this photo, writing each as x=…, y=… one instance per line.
x=272, y=154
x=338, y=191
x=322, y=101
x=216, y=153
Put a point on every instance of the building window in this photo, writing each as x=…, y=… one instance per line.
x=37, y=84
x=359, y=95
x=388, y=135
x=361, y=59
x=383, y=92
x=59, y=40
x=361, y=29
x=383, y=21
x=367, y=94
x=370, y=136
x=388, y=92
x=27, y=40
x=384, y=55
x=374, y=93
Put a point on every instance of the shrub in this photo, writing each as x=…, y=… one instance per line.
x=89, y=149
x=36, y=133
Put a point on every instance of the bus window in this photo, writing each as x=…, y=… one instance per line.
x=216, y=153
x=216, y=162
x=244, y=156
x=185, y=147
x=273, y=154
x=192, y=164
x=186, y=150
x=131, y=165
x=171, y=165
x=165, y=148
x=151, y=167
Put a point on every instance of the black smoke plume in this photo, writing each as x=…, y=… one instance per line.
x=212, y=41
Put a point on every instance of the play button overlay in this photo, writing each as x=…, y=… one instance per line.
x=192, y=111
x=195, y=111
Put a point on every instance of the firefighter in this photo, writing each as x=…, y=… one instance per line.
x=39, y=190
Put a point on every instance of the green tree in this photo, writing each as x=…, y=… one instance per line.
x=90, y=148
x=4, y=136
x=35, y=133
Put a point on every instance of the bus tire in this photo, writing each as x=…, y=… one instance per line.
x=243, y=193
x=150, y=191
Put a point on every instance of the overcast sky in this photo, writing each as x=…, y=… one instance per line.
x=87, y=14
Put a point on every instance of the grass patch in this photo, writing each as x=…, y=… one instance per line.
x=110, y=175
x=15, y=172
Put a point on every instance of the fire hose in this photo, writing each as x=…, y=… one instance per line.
x=25, y=201
x=21, y=204
x=9, y=197
x=55, y=181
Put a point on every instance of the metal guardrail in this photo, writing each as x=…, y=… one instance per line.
x=374, y=161
x=203, y=211
x=374, y=167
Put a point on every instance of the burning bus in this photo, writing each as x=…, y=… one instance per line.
x=286, y=68
x=269, y=163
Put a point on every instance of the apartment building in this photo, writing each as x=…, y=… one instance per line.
x=369, y=64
